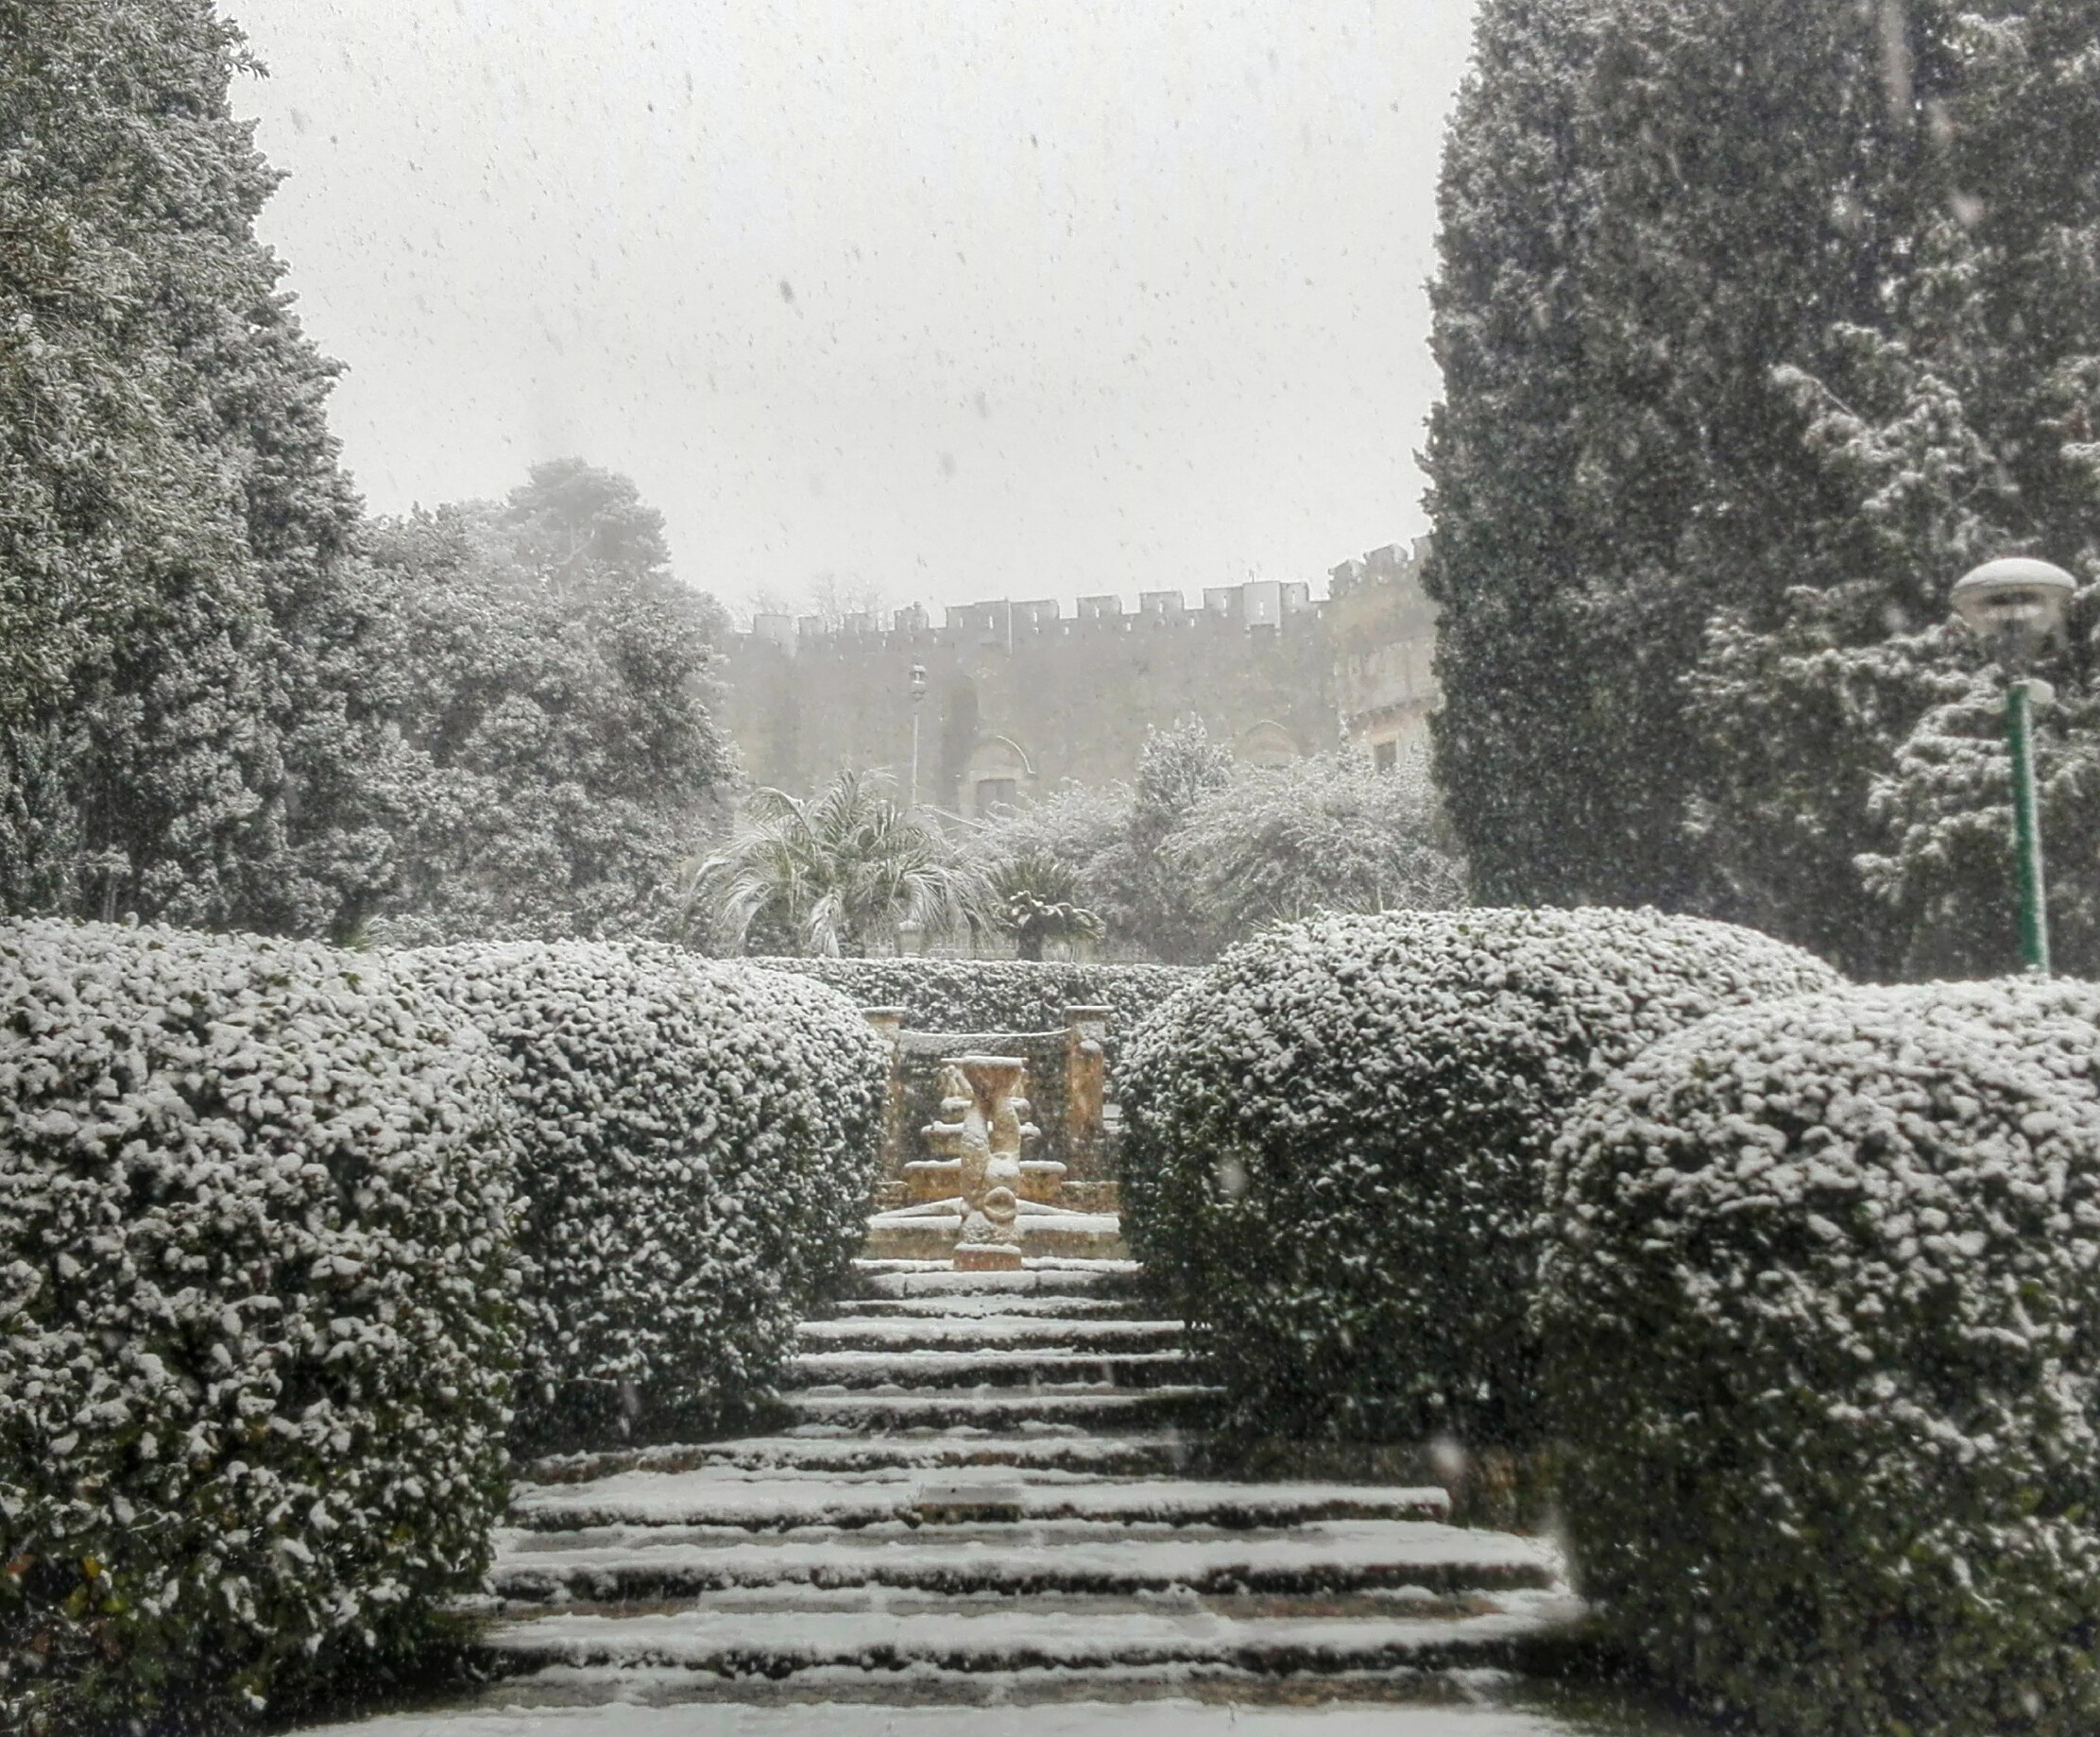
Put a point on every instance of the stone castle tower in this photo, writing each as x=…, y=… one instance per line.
x=1020, y=697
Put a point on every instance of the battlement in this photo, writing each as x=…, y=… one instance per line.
x=1006, y=699
x=1256, y=604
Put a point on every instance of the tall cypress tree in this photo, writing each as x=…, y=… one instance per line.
x=1502, y=456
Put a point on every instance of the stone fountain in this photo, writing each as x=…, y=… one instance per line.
x=981, y=1126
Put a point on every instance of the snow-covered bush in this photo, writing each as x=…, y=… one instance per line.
x=1821, y=1293
x=696, y=1149
x=994, y=995
x=254, y=1210
x=1334, y=1139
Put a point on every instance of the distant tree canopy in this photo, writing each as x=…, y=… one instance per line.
x=1200, y=853
x=1759, y=324
x=543, y=685
x=223, y=700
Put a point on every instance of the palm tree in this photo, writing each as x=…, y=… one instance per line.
x=835, y=871
x=1035, y=898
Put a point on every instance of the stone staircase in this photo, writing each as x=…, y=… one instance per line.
x=984, y=1491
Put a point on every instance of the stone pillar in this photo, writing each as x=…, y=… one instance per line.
x=1086, y=1091
x=888, y=1024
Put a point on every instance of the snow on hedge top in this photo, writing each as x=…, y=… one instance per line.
x=695, y=1146
x=993, y=995
x=254, y=1210
x=1820, y=1288
x=1907, y=1130
x=1486, y=1016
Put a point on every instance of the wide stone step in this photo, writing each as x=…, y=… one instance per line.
x=1027, y=1366
x=614, y=1563
x=1085, y=1405
x=880, y=1279
x=967, y=1638
x=907, y=1235
x=829, y=1451
x=989, y=1306
x=1062, y=1331
x=718, y=1498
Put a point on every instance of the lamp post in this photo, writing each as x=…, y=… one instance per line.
x=2015, y=606
x=918, y=702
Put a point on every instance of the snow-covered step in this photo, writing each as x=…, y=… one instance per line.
x=909, y=1235
x=913, y=1367
x=615, y=1563
x=830, y=1452
x=990, y=1307
x=874, y=1278
x=721, y=1499
x=1061, y=1330
x=966, y=1637
x=1086, y=1406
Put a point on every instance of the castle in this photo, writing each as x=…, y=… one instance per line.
x=1007, y=700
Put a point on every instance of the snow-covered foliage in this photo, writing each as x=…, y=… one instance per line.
x=696, y=1145
x=1742, y=312
x=546, y=688
x=1330, y=832
x=1820, y=1292
x=174, y=525
x=830, y=874
x=1334, y=1138
x=994, y=995
x=255, y=1203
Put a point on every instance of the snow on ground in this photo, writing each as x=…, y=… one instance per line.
x=1078, y=1719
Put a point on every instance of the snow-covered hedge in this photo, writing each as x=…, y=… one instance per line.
x=994, y=995
x=1334, y=1139
x=1822, y=1298
x=696, y=1149
x=255, y=1336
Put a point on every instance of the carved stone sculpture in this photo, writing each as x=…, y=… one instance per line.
x=982, y=1123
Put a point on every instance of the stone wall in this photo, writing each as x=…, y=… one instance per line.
x=1021, y=696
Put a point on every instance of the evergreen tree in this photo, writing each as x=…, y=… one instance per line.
x=1141, y=894
x=541, y=688
x=173, y=520
x=1756, y=322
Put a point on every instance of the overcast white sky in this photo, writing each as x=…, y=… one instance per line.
x=959, y=299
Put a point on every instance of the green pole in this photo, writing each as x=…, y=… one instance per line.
x=2026, y=834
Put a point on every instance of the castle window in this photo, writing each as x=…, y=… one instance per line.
x=1385, y=756
x=998, y=794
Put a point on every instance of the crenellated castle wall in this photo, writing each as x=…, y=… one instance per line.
x=1021, y=696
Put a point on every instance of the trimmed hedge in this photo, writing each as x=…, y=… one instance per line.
x=1822, y=1299
x=254, y=1204
x=994, y=995
x=1333, y=1142
x=696, y=1149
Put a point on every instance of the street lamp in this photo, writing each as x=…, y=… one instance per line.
x=919, y=701
x=2015, y=606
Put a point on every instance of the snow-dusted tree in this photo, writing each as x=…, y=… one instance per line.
x=1959, y=426
x=1945, y=873
x=543, y=687
x=172, y=516
x=1759, y=324
x=1037, y=899
x=836, y=873
x=1514, y=741
x=1141, y=894
x=1329, y=833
